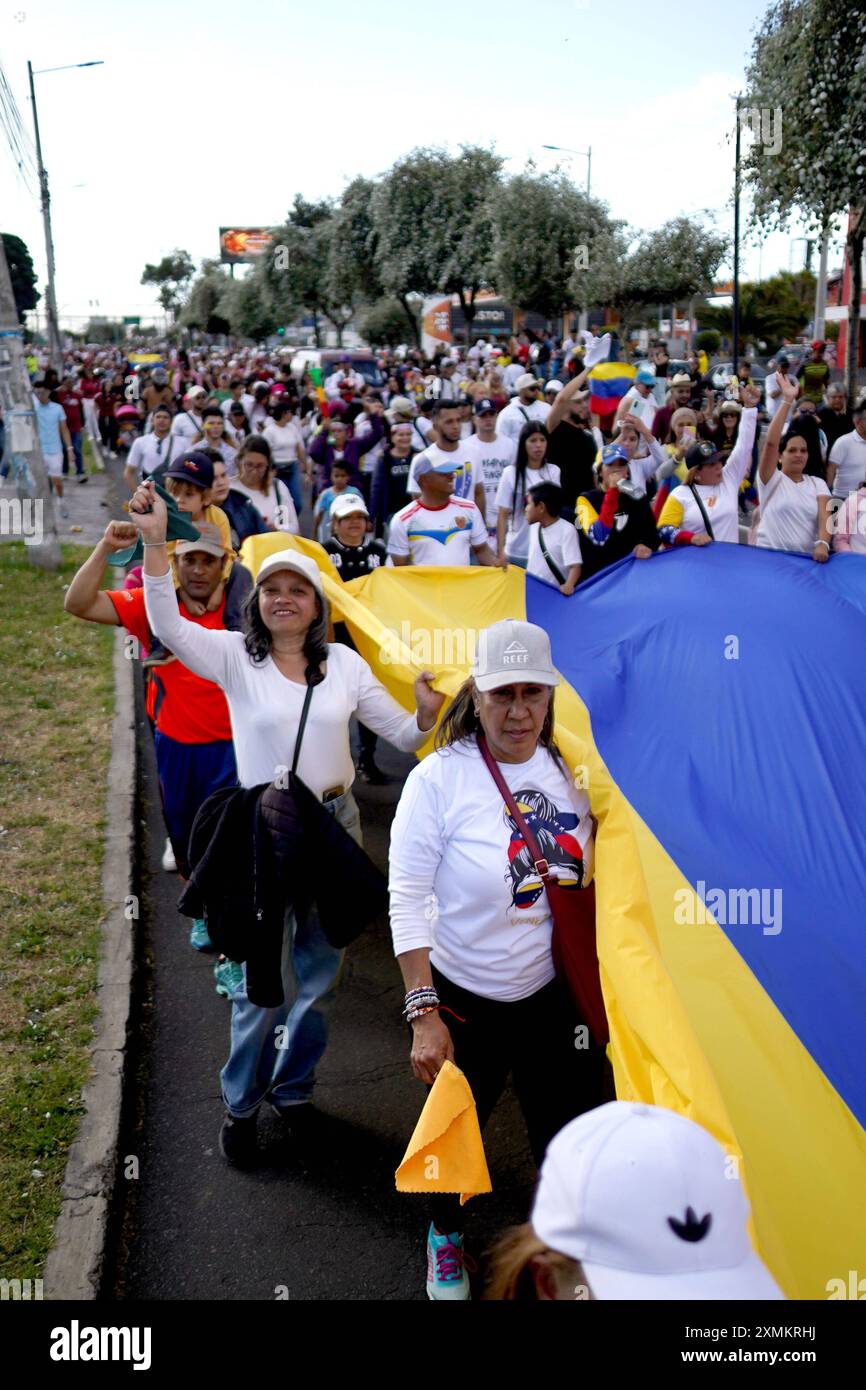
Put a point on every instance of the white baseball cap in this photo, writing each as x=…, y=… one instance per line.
x=348, y=504
x=525, y=381
x=651, y=1206
x=552, y=386
x=291, y=560
x=511, y=651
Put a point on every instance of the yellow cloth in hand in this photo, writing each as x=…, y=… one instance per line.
x=445, y=1153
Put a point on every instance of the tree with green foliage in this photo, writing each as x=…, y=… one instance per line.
x=352, y=270
x=247, y=309
x=808, y=64
x=407, y=264
x=201, y=309
x=171, y=276
x=21, y=273
x=771, y=311
x=383, y=324
x=555, y=248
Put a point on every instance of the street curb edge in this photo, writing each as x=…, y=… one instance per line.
x=74, y=1266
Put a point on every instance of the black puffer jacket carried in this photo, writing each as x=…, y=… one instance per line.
x=255, y=851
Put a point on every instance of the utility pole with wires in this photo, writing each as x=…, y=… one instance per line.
x=31, y=514
x=55, y=348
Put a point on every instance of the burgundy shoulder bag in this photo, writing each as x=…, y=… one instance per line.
x=573, y=911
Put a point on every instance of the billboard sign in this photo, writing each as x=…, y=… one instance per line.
x=240, y=245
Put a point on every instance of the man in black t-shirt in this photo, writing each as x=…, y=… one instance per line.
x=572, y=447
x=353, y=553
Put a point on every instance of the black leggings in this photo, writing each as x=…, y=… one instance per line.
x=534, y=1040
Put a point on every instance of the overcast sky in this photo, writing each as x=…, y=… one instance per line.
x=217, y=114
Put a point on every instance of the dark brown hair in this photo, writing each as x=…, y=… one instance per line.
x=460, y=721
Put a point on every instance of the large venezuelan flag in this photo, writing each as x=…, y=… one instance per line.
x=714, y=708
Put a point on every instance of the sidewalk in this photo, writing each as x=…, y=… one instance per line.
x=91, y=505
x=327, y=1228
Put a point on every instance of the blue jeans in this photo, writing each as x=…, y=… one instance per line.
x=75, y=436
x=290, y=474
x=274, y=1052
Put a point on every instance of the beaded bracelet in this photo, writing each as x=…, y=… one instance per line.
x=419, y=1013
x=419, y=999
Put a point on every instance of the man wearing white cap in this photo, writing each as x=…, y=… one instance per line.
x=188, y=423
x=438, y=528
x=524, y=409
x=636, y=1202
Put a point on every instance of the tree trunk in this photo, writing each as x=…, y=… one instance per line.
x=316, y=329
x=855, y=258
x=413, y=321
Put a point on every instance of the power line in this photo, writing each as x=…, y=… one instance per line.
x=19, y=142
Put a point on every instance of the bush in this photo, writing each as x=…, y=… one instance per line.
x=708, y=340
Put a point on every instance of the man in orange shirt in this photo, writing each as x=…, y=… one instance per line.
x=192, y=730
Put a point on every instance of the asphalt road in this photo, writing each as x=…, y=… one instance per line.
x=188, y=1226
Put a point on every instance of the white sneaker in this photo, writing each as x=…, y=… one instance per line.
x=169, y=862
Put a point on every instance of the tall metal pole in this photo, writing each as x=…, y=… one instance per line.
x=736, y=324
x=55, y=350
x=588, y=170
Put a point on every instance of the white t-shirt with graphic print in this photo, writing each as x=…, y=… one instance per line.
x=461, y=878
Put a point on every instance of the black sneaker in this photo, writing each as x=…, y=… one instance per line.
x=238, y=1141
x=373, y=774
x=303, y=1123
x=82, y=478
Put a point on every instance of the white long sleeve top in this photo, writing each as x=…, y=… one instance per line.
x=265, y=707
x=462, y=881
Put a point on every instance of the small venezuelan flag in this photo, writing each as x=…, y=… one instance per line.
x=608, y=383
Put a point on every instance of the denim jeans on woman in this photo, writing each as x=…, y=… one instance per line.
x=274, y=1052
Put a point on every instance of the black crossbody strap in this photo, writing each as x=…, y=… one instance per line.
x=551, y=563
x=702, y=509
x=301, y=726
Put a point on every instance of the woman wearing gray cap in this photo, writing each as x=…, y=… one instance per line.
x=470, y=916
x=291, y=695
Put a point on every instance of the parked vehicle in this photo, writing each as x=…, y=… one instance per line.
x=720, y=375
x=329, y=360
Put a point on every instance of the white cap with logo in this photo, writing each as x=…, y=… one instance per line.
x=293, y=560
x=511, y=651
x=651, y=1206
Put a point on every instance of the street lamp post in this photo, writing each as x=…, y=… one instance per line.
x=54, y=347
x=586, y=154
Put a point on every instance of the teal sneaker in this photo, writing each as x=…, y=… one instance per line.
x=198, y=937
x=229, y=977
x=446, y=1272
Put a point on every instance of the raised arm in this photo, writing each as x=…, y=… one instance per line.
x=205, y=651
x=741, y=455
x=85, y=597
x=770, y=456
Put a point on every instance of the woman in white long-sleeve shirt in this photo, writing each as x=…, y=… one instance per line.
x=711, y=492
x=265, y=673
x=470, y=917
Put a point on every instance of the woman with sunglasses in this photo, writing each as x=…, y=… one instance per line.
x=529, y=468
x=706, y=506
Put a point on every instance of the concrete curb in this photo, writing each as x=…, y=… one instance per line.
x=73, y=1269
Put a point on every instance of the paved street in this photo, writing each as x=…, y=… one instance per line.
x=333, y=1229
